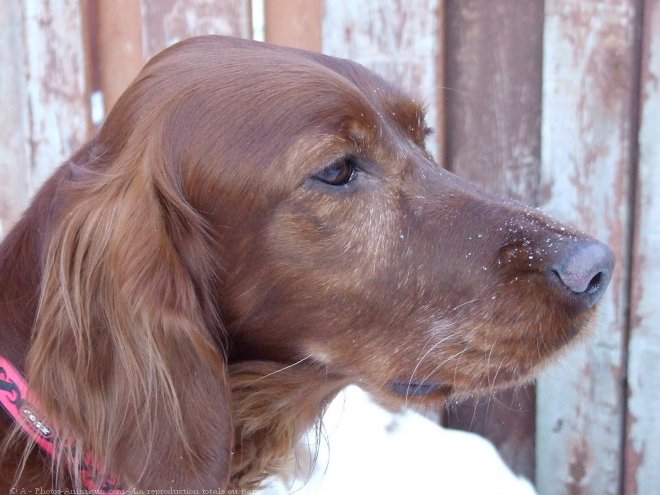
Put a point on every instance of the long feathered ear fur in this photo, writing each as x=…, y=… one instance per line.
x=126, y=353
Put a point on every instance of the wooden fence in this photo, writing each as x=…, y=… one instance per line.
x=555, y=102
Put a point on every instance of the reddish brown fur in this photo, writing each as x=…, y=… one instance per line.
x=182, y=288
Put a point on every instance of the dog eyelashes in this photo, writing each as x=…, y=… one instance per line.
x=340, y=172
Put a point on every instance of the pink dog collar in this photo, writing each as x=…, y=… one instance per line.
x=13, y=398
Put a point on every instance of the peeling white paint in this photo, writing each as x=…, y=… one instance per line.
x=57, y=97
x=587, y=112
x=398, y=40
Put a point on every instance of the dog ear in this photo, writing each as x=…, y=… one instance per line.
x=126, y=357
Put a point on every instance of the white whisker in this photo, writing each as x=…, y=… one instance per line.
x=282, y=369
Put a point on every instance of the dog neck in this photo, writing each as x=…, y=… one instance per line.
x=19, y=294
x=21, y=255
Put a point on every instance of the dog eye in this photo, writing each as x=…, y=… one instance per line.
x=339, y=173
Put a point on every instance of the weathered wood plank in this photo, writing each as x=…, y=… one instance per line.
x=493, y=134
x=642, y=447
x=13, y=125
x=295, y=23
x=167, y=21
x=119, y=46
x=47, y=95
x=396, y=38
x=588, y=116
x=55, y=75
x=493, y=94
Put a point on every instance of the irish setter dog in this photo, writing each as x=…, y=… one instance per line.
x=253, y=228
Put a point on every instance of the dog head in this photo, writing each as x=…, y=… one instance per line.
x=245, y=202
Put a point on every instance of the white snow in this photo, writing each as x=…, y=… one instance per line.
x=370, y=450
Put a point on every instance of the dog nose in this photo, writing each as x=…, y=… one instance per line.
x=585, y=269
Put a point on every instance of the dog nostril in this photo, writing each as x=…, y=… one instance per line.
x=594, y=284
x=585, y=269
